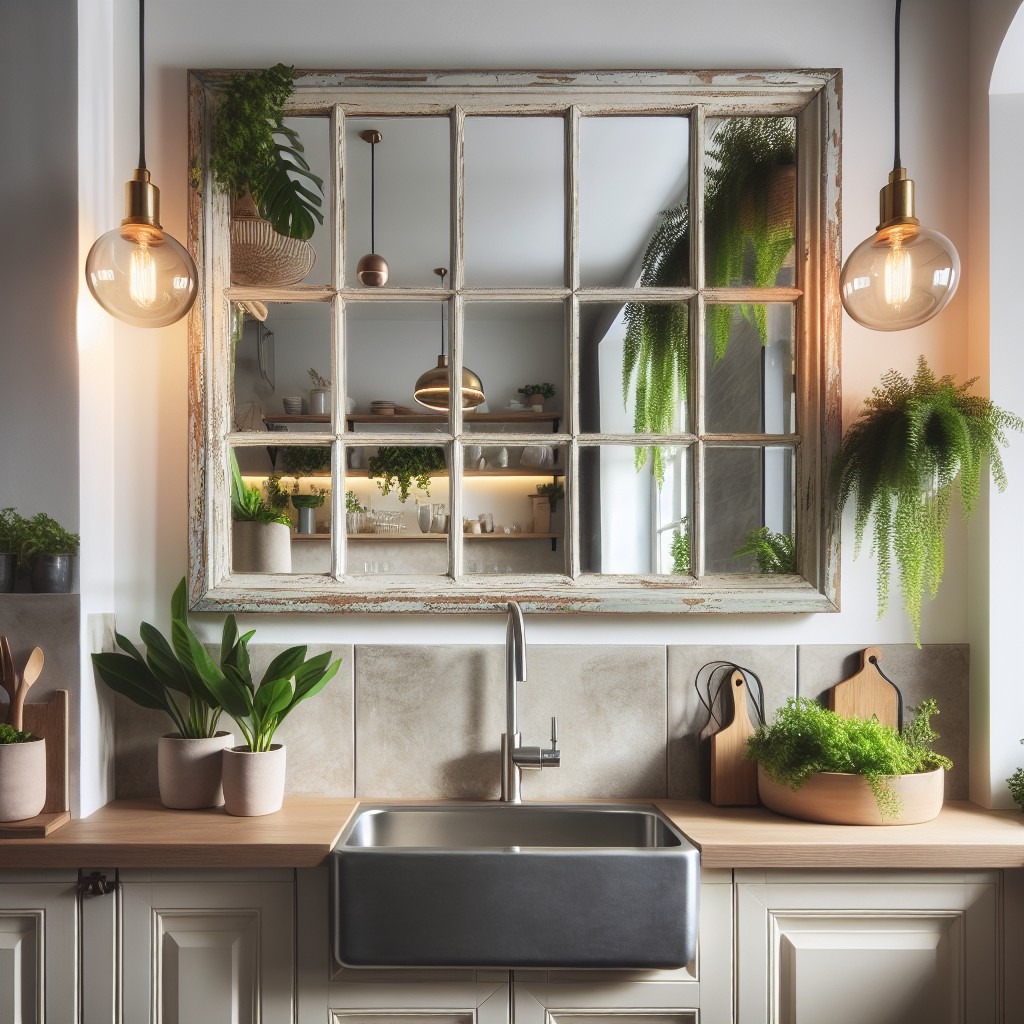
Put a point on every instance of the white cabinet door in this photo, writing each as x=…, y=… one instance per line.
x=205, y=950
x=893, y=948
x=38, y=927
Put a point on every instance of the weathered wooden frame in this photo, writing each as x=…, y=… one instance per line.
x=811, y=96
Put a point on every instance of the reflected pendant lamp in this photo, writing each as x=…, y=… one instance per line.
x=432, y=388
x=904, y=273
x=372, y=270
x=138, y=272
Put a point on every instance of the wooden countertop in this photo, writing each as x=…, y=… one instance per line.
x=143, y=834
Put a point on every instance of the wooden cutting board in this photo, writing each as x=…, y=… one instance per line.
x=866, y=693
x=733, y=777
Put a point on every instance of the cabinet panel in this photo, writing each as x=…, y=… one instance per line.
x=21, y=966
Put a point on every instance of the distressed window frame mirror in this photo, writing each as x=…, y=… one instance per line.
x=811, y=97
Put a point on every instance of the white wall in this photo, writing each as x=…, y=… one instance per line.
x=150, y=450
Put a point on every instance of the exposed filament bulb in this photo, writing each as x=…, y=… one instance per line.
x=899, y=274
x=142, y=275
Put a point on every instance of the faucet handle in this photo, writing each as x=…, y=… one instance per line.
x=554, y=733
x=552, y=758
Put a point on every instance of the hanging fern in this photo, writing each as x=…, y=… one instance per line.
x=773, y=552
x=254, y=151
x=742, y=154
x=914, y=440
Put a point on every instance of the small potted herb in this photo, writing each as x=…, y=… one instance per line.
x=48, y=549
x=536, y=393
x=260, y=534
x=12, y=539
x=22, y=774
x=397, y=468
x=319, y=394
x=166, y=679
x=355, y=513
x=553, y=491
x=819, y=766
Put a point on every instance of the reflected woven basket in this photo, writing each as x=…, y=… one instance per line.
x=259, y=255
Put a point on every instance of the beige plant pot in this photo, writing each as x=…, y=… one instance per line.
x=189, y=771
x=261, y=547
x=22, y=779
x=839, y=799
x=254, y=782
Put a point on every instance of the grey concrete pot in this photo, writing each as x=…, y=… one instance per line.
x=261, y=547
x=22, y=779
x=254, y=782
x=189, y=771
x=51, y=574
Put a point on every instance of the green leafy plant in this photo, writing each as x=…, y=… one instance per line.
x=546, y=390
x=805, y=738
x=305, y=460
x=396, y=468
x=8, y=734
x=166, y=678
x=1016, y=784
x=352, y=503
x=774, y=552
x=259, y=708
x=740, y=233
x=12, y=531
x=314, y=500
x=45, y=536
x=554, y=491
x=254, y=151
x=247, y=504
x=277, y=496
x=679, y=549
x=914, y=440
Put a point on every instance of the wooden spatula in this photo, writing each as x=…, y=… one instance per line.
x=29, y=675
x=867, y=693
x=733, y=777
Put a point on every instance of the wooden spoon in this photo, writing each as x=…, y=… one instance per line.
x=29, y=675
x=8, y=677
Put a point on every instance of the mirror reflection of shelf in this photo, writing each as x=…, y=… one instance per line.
x=388, y=538
x=554, y=418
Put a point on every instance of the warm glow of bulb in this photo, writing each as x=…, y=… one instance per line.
x=142, y=276
x=899, y=274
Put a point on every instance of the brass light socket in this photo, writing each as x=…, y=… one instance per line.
x=141, y=200
x=896, y=200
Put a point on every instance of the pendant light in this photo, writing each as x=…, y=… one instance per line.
x=137, y=272
x=432, y=388
x=904, y=273
x=372, y=270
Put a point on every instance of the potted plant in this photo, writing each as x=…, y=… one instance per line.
x=165, y=679
x=12, y=540
x=22, y=774
x=397, y=468
x=355, y=513
x=819, y=766
x=773, y=552
x=319, y=393
x=536, y=393
x=48, y=549
x=750, y=160
x=305, y=460
x=260, y=534
x=679, y=549
x=307, y=504
x=258, y=160
x=914, y=440
x=254, y=772
x=553, y=492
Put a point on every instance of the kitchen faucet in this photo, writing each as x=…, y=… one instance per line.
x=514, y=758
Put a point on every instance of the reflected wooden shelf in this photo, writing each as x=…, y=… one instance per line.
x=387, y=538
x=528, y=471
x=554, y=418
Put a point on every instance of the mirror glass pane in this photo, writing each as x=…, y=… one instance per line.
x=628, y=524
x=634, y=188
x=749, y=506
x=634, y=368
x=413, y=196
x=389, y=346
x=750, y=201
x=750, y=368
x=514, y=201
x=276, y=346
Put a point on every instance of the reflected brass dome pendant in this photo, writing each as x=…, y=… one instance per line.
x=372, y=270
x=432, y=388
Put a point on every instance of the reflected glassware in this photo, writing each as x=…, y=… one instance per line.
x=486, y=522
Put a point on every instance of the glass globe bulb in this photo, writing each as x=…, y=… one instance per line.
x=899, y=277
x=142, y=275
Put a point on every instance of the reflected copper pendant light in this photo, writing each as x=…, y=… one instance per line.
x=372, y=270
x=138, y=272
x=904, y=273
x=432, y=387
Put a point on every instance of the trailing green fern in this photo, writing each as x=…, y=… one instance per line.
x=774, y=552
x=914, y=440
x=254, y=151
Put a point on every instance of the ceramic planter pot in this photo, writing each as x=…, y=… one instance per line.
x=22, y=779
x=51, y=574
x=535, y=403
x=254, y=782
x=189, y=771
x=7, y=567
x=261, y=547
x=839, y=799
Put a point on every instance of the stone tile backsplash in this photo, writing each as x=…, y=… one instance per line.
x=425, y=722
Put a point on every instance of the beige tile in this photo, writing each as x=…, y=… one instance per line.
x=936, y=670
x=429, y=721
x=687, y=717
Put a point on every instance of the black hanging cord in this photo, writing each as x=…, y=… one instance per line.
x=142, y=84
x=899, y=693
x=373, y=197
x=896, y=100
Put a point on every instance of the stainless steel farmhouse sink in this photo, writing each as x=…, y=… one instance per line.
x=513, y=885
